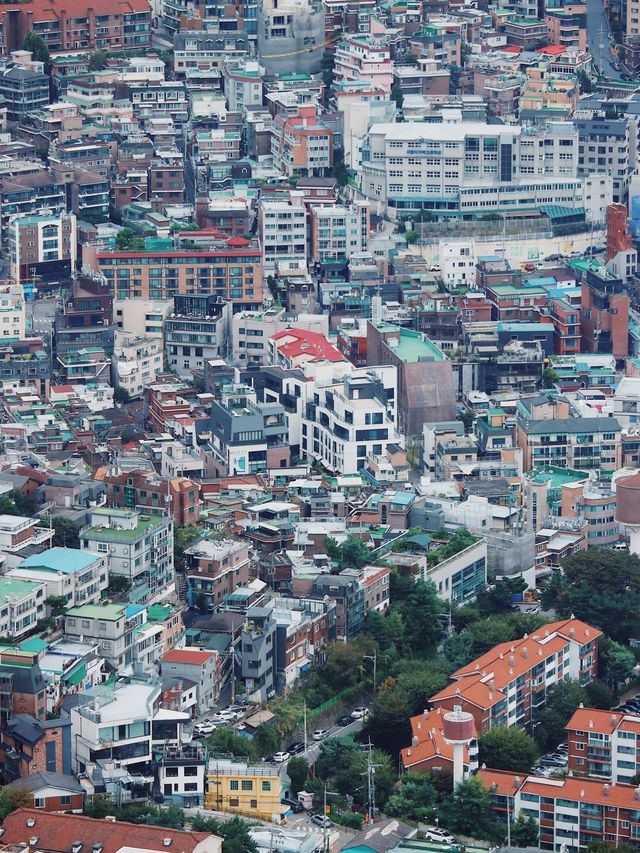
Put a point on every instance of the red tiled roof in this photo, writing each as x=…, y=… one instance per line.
x=190, y=656
x=552, y=49
x=58, y=832
x=586, y=719
x=296, y=342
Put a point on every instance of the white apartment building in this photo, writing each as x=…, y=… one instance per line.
x=118, y=724
x=339, y=231
x=283, y=233
x=142, y=317
x=470, y=169
x=22, y=604
x=350, y=418
x=251, y=331
x=19, y=531
x=107, y=626
x=136, y=362
x=12, y=313
x=139, y=546
x=243, y=84
x=78, y=576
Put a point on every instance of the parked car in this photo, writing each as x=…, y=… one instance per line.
x=295, y=805
x=433, y=833
x=319, y=734
x=280, y=757
x=226, y=715
x=321, y=820
x=295, y=748
x=345, y=720
x=553, y=258
x=206, y=727
x=359, y=713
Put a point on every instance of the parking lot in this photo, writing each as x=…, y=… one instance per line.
x=552, y=762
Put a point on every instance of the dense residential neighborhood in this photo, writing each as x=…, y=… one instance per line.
x=319, y=426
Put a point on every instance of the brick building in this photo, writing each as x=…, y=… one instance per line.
x=29, y=745
x=143, y=488
x=605, y=744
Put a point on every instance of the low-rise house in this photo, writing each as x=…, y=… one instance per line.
x=240, y=788
x=31, y=746
x=215, y=568
x=107, y=625
x=51, y=792
x=80, y=577
x=18, y=531
x=430, y=752
x=23, y=604
x=200, y=666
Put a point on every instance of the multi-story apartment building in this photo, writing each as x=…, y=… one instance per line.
x=337, y=233
x=283, y=232
x=181, y=774
x=144, y=488
x=291, y=36
x=167, y=99
x=42, y=247
x=248, y=436
x=604, y=744
x=508, y=685
x=106, y=625
x=125, y=26
x=78, y=576
x=201, y=666
x=199, y=330
x=577, y=443
x=572, y=812
x=243, y=84
x=136, y=361
x=301, y=143
x=364, y=59
x=258, y=657
x=350, y=418
x=12, y=313
x=20, y=531
x=216, y=568
x=470, y=168
x=139, y=548
x=23, y=604
x=604, y=320
x=230, y=269
x=604, y=145
x=36, y=193
x=24, y=86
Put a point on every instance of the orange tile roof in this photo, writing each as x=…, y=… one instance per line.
x=579, y=788
x=188, y=656
x=585, y=719
x=431, y=742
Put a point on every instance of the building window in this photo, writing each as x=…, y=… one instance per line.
x=39, y=802
x=233, y=785
x=247, y=785
x=266, y=786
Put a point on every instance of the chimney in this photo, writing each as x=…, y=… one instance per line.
x=33, y=841
x=614, y=719
x=408, y=753
x=501, y=656
x=590, y=724
x=167, y=842
x=572, y=633
x=31, y=821
x=425, y=713
x=512, y=660
x=605, y=790
x=110, y=818
x=525, y=652
x=636, y=794
x=76, y=847
x=414, y=741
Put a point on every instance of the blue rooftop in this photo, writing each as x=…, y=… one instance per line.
x=524, y=327
x=404, y=498
x=540, y=281
x=133, y=610
x=66, y=560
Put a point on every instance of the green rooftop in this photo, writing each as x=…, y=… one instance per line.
x=411, y=346
x=556, y=477
x=122, y=537
x=10, y=588
x=108, y=612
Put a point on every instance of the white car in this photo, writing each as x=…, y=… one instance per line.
x=205, y=728
x=226, y=715
x=359, y=713
x=432, y=833
x=279, y=757
x=319, y=734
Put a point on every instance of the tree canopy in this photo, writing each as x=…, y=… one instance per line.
x=507, y=748
x=39, y=51
x=600, y=587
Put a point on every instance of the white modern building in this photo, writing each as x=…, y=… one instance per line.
x=251, y=331
x=354, y=417
x=106, y=625
x=22, y=604
x=80, y=577
x=283, y=233
x=139, y=546
x=136, y=362
x=470, y=169
x=12, y=313
x=141, y=317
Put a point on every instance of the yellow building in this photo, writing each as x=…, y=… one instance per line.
x=252, y=790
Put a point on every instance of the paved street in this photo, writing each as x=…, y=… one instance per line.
x=599, y=39
x=40, y=317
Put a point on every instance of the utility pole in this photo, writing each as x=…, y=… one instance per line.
x=374, y=658
x=371, y=783
x=305, y=725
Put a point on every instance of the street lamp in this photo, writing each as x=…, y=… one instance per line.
x=374, y=658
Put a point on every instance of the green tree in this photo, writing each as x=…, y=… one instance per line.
x=400, y=587
x=417, y=681
x=183, y=538
x=498, y=597
x=507, y=748
x=342, y=764
x=469, y=809
x=119, y=586
x=458, y=649
x=234, y=833
x=415, y=800
x=397, y=96
x=603, y=847
x=57, y=603
x=600, y=587
x=524, y=831
x=586, y=86
x=616, y=663
x=39, y=51
x=411, y=237
x=202, y=602
x=599, y=695
x=17, y=503
x=351, y=554
x=65, y=532
x=297, y=771
x=266, y=740
x=549, y=377
x=420, y=612
x=227, y=742
x=388, y=723
x=12, y=799
x=121, y=395
x=562, y=701
x=98, y=60
x=490, y=632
